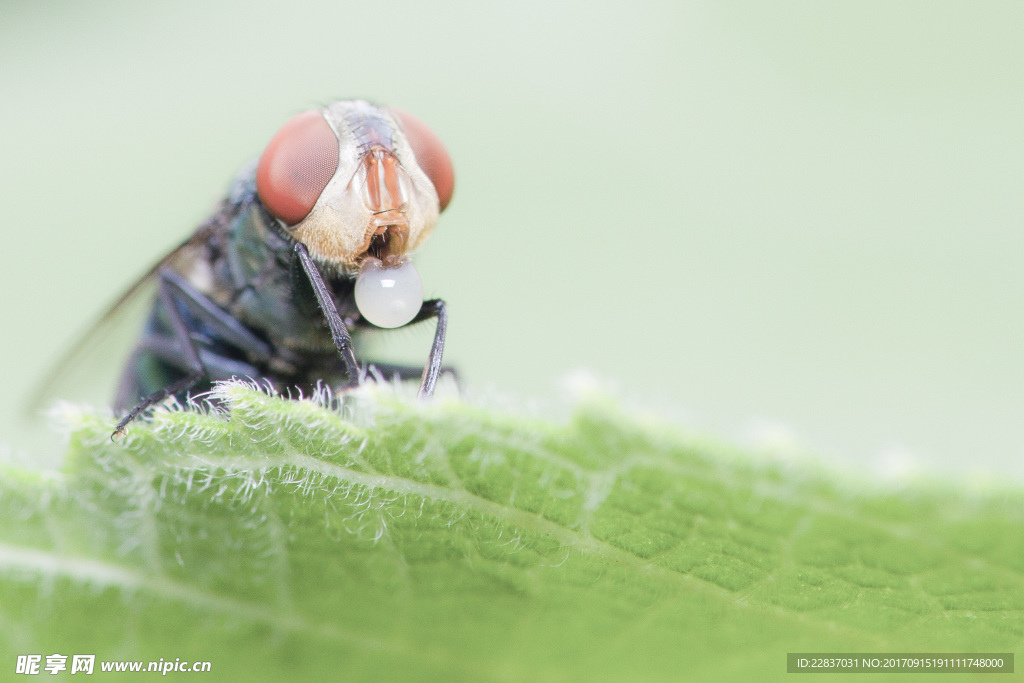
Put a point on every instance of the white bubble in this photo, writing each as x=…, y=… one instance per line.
x=388, y=297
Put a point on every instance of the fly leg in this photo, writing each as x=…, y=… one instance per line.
x=169, y=351
x=226, y=327
x=181, y=349
x=339, y=333
x=432, y=308
x=195, y=368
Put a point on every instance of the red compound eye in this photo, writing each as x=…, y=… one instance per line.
x=430, y=155
x=296, y=166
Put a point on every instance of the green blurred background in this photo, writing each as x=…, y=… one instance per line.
x=797, y=223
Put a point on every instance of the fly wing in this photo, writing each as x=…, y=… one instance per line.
x=90, y=369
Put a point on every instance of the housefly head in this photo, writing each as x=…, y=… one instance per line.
x=355, y=182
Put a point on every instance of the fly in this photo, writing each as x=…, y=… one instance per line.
x=310, y=246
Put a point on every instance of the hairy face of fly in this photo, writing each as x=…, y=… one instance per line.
x=355, y=181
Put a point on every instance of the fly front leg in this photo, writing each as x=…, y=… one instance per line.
x=339, y=333
x=432, y=308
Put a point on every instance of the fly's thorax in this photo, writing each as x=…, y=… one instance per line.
x=353, y=181
x=247, y=267
x=248, y=270
x=255, y=250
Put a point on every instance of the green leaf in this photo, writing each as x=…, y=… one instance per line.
x=442, y=541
